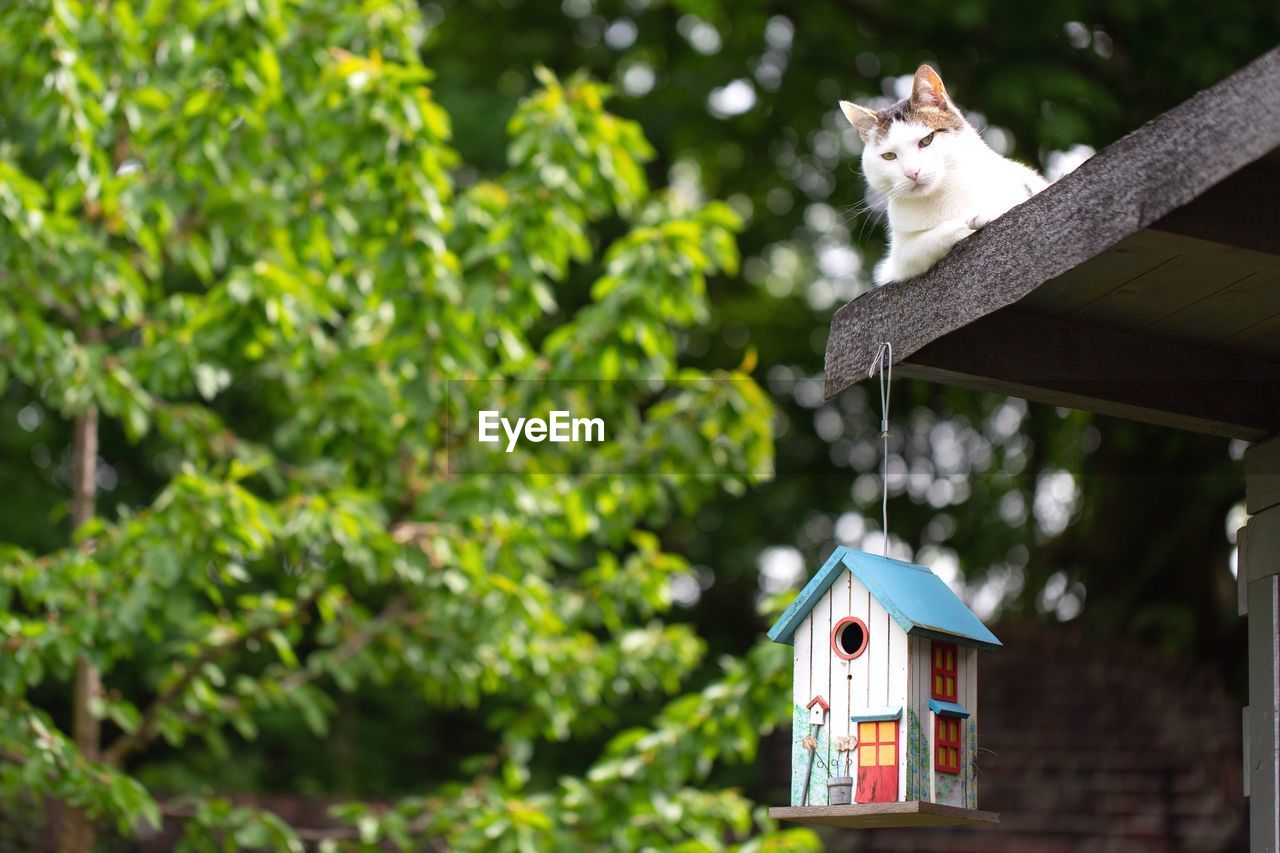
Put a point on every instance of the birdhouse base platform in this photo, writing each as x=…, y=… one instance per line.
x=881, y=815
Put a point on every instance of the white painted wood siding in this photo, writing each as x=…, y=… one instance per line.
x=921, y=692
x=875, y=679
x=954, y=791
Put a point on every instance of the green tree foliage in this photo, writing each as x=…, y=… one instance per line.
x=239, y=232
x=250, y=236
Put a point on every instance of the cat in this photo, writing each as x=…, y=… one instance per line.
x=941, y=180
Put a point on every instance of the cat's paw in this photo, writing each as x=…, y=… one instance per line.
x=885, y=272
x=977, y=221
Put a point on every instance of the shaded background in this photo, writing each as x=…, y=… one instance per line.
x=1040, y=514
x=1080, y=535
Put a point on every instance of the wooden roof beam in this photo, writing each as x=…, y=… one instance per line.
x=1081, y=366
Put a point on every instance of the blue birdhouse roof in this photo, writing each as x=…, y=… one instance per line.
x=915, y=598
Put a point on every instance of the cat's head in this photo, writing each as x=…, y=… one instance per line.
x=910, y=147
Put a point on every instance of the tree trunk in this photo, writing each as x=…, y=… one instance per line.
x=77, y=834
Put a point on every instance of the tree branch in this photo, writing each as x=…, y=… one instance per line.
x=187, y=811
x=145, y=733
x=353, y=645
x=78, y=832
x=395, y=610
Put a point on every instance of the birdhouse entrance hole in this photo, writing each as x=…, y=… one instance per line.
x=849, y=638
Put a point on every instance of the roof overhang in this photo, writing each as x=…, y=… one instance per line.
x=1146, y=284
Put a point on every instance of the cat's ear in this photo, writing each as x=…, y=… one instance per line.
x=927, y=90
x=863, y=120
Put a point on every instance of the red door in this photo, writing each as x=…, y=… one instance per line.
x=877, y=762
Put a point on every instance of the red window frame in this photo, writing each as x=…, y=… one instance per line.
x=947, y=732
x=945, y=661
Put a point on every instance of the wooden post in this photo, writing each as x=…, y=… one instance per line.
x=1259, y=573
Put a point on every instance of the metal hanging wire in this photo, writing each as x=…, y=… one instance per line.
x=884, y=363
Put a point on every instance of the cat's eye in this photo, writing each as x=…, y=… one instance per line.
x=889, y=155
x=924, y=143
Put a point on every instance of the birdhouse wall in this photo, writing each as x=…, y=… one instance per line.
x=875, y=679
x=924, y=781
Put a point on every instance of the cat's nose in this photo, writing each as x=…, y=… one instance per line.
x=911, y=174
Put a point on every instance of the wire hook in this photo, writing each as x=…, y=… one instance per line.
x=884, y=363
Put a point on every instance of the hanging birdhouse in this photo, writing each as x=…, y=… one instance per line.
x=890, y=654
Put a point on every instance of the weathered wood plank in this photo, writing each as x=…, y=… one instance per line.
x=1071, y=364
x=1260, y=340
x=1260, y=554
x=909, y=710
x=1260, y=565
x=974, y=729
x=881, y=629
x=1225, y=314
x=841, y=685
x=918, y=700
x=926, y=720
x=1171, y=288
x=801, y=688
x=1264, y=701
x=820, y=620
x=1125, y=261
x=860, y=605
x=1229, y=212
x=1242, y=573
x=875, y=815
x=1128, y=186
x=899, y=694
x=1262, y=475
x=878, y=676
x=801, y=693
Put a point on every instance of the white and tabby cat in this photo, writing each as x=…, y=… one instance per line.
x=941, y=181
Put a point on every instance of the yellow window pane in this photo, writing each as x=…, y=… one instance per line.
x=867, y=756
x=937, y=657
x=952, y=731
x=937, y=684
x=866, y=731
x=888, y=756
x=951, y=659
x=951, y=687
x=886, y=731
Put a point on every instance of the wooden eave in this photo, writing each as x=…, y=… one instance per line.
x=1146, y=284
